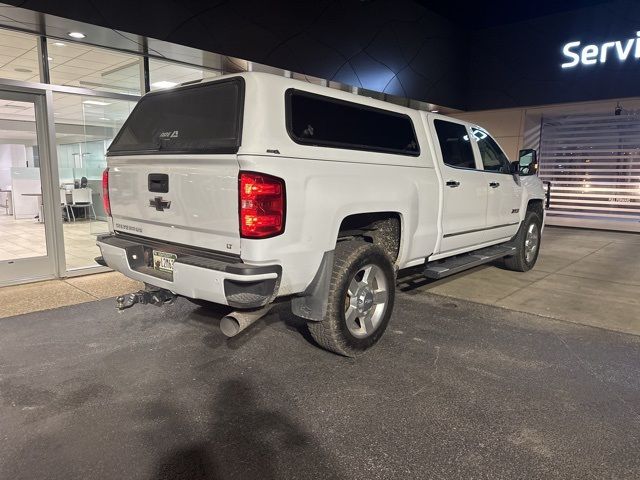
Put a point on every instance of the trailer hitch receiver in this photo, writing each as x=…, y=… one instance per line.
x=157, y=297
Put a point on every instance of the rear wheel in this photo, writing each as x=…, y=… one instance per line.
x=527, y=243
x=360, y=302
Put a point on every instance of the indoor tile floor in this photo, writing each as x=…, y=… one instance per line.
x=25, y=238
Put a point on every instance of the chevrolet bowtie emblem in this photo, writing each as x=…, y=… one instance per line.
x=159, y=204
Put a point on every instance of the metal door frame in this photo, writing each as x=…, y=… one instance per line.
x=41, y=94
x=49, y=266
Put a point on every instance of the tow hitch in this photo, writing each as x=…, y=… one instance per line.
x=157, y=297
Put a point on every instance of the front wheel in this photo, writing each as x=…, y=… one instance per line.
x=527, y=243
x=360, y=301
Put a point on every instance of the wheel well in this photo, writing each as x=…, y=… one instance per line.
x=536, y=206
x=379, y=228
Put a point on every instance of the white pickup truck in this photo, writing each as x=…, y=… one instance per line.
x=253, y=187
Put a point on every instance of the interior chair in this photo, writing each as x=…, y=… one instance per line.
x=82, y=198
x=65, y=205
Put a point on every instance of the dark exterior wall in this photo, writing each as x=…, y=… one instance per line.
x=520, y=64
x=391, y=46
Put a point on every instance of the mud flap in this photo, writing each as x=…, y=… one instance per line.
x=312, y=304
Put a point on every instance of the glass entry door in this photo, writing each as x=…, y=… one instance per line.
x=26, y=240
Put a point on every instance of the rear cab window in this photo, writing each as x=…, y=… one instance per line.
x=324, y=121
x=202, y=118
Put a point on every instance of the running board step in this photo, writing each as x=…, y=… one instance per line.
x=449, y=266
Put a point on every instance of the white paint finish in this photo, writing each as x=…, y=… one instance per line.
x=320, y=194
x=264, y=123
x=464, y=208
x=468, y=248
x=193, y=282
x=323, y=187
x=502, y=201
x=203, y=191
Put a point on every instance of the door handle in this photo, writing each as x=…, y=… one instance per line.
x=453, y=183
x=494, y=184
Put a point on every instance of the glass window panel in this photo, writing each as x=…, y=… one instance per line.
x=19, y=56
x=164, y=74
x=492, y=157
x=22, y=228
x=86, y=66
x=85, y=127
x=318, y=120
x=454, y=144
x=201, y=118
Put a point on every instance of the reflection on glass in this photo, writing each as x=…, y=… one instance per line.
x=95, y=68
x=166, y=74
x=19, y=56
x=85, y=126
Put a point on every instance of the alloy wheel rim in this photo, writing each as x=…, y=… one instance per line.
x=366, y=301
x=531, y=242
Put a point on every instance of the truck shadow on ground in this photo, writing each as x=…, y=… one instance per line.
x=244, y=440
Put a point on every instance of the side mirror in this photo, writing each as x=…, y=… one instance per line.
x=514, y=168
x=528, y=162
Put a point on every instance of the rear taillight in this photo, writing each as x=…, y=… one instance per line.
x=262, y=205
x=106, y=201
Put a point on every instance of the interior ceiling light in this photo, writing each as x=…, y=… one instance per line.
x=96, y=102
x=50, y=59
x=59, y=44
x=435, y=111
x=163, y=84
x=76, y=35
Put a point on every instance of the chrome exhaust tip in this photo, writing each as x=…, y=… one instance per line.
x=235, y=322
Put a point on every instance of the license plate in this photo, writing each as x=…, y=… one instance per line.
x=163, y=261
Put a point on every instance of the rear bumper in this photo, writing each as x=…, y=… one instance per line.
x=196, y=274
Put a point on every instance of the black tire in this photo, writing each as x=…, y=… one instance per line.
x=351, y=258
x=522, y=261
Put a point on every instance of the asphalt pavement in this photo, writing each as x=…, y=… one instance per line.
x=454, y=390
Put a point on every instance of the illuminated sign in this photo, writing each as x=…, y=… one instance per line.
x=593, y=54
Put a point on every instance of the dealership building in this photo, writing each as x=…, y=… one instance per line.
x=564, y=81
x=328, y=269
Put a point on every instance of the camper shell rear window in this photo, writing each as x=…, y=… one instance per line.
x=202, y=118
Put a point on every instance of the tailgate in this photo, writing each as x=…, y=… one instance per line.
x=185, y=199
x=173, y=167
